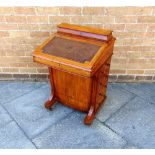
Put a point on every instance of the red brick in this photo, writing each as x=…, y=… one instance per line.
x=115, y=27
x=134, y=60
x=119, y=11
x=5, y=76
x=70, y=10
x=21, y=76
x=15, y=53
x=6, y=10
x=8, y=70
x=146, y=19
x=126, y=77
x=38, y=76
x=27, y=70
x=42, y=70
x=123, y=35
x=126, y=19
x=151, y=28
x=16, y=64
x=143, y=78
x=135, y=71
x=93, y=11
x=59, y=19
x=81, y=19
x=48, y=10
x=102, y=19
x=35, y=64
x=2, y=53
x=24, y=10
x=39, y=34
x=117, y=71
x=15, y=34
x=28, y=27
x=93, y=25
x=2, y=19
x=3, y=34
x=47, y=27
x=112, y=78
x=136, y=27
x=8, y=26
x=15, y=19
x=149, y=71
x=37, y=19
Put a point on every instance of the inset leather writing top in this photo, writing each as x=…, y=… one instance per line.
x=71, y=49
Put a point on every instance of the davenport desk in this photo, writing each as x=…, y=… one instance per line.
x=78, y=59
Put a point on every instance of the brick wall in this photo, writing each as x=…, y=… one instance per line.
x=23, y=28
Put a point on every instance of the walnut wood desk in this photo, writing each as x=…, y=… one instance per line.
x=78, y=58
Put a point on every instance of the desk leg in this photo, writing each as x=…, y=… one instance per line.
x=50, y=103
x=92, y=111
x=52, y=99
x=98, y=93
x=90, y=116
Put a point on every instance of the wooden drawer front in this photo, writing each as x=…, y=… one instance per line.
x=100, y=95
x=102, y=83
x=103, y=79
x=105, y=69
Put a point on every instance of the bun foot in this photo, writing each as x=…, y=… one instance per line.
x=50, y=103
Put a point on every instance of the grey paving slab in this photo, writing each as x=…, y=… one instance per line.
x=136, y=123
x=144, y=90
x=4, y=117
x=72, y=133
x=30, y=113
x=130, y=146
x=11, y=137
x=3, y=84
x=12, y=90
x=116, y=98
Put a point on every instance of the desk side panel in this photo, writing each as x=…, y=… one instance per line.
x=72, y=90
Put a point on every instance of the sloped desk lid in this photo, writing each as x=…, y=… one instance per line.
x=76, y=49
x=71, y=49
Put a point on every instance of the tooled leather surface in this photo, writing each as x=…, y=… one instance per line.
x=71, y=49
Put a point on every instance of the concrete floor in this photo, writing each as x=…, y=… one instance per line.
x=127, y=120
